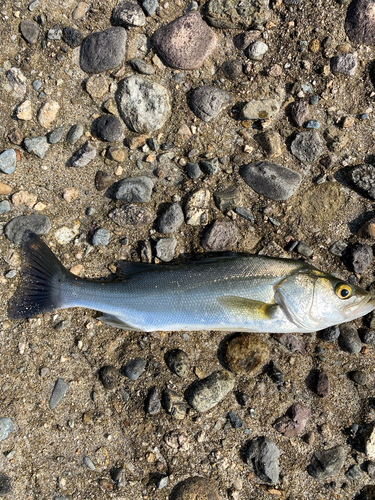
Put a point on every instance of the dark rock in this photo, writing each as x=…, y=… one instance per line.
x=72, y=37
x=134, y=368
x=228, y=198
x=107, y=128
x=263, y=455
x=109, y=376
x=171, y=219
x=178, y=362
x=235, y=14
x=358, y=377
x=327, y=463
x=330, y=334
x=75, y=133
x=275, y=374
x=174, y=404
x=322, y=385
x=185, y=42
x=299, y=112
x=56, y=135
x=165, y=249
x=128, y=13
x=362, y=177
x=359, y=22
x=232, y=69
x=291, y=342
x=220, y=236
x=207, y=102
x=29, y=30
x=294, y=421
x=246, y=353
x=353, y=473
x=5, y=485
x=142, y=67
x=371, y=469
x=193, y=170
x=153, y=404
x=369, y=337
x=132, y=215
x=367, y=493
x=209, y=167
x=234, y=420
x=303, y=249
x=16, y=228
x=102, y=180
x=307, y=146
x=205, y=394
x=83, y=156
x=103, y=50
x=345, y=64
x=135, y=189
x=338, y=248
x=59, y=391
x=360, y=257
x=195, y=488
x=349, y=339
x=271, y=180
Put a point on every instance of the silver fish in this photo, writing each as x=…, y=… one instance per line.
x=243, y=293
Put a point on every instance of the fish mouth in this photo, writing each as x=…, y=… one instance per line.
x=365, y=306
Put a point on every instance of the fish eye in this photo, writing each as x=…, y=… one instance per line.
x=343, y=291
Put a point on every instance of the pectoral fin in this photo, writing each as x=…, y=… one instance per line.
x=249, y=309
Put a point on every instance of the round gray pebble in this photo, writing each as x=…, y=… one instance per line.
x=307, y=146
x=107, y=128
x=171, y=219
x=165, y=249
x=75, y=133
x=135, y=189
x=6, y=427
x=207, y=102
x=59, y=391
x=134, y=368
x=16, y=228
x=101, y=237
x=8, y=161
x=349, y=339
x=208, y=392
x=4, y=206
x=56, y=135
x=103, y=50
x=193, y=170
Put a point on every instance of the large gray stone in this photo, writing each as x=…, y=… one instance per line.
x=103, y=50
x=135, y=189
x=16, y=228
x=237, y=14
x=307, y=146
x=264, y=455
x=207, y=102
x=327, y=463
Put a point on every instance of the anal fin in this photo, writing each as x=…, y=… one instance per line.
x=108, y=319
x=249, y=309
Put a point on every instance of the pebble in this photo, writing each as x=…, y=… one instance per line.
x=359, y=22
x=80, y=11
x=75, y=133
x=338, y=248
x=56, y=135
x=196, y=207
x=101, y=237
x=109, y=377
x=263, y=455
x=134, y=368
x=209, y=167
x=345, y=64
x=369, y=337
x=303, y=249
x=48, y=113
x=327, y=463
x=307, y=146
x=33, y=5
x=195, y=488
x=162, y=482
x=313, y=124
x=221, y=236
x=88, y=462
x=72, y=37
x=336, y=140
x=24, y=111
x=359, y=377
x=360, y=256
x=232, y=69
x=142, y=67
x=83, y=156
x=205, y=394
x=314, y=99
x=270, y=142
x=6, y=427
x=178, y=362
x=97, y=86
x=135, y=189
x=362, y=177
x=132, y=215
x=116, y=153
x=273, y=181
x=228, y=198
x=256, y=50
x=17, y=81
x=174, y=404
x=244, y=213
x=54, y=33
x=171, y=219
x=369, y=441
x=8, y=161
x=4, y=206
x=58, y=392
x=353, y=473
x=127, y=14
x=144, y=105
x=29, y=30
x=102, y=180
x=275, y=374
x=322, y=385
x=330, y=334
x=234, y=420
x=38, y=224
x=208, y=102
x=150, y=6
x=349, y=339
x=24, y=198
x=107, y=128
x=165, y=249
x=294, y=421
x=153, y=404
x=103, y=50
x=235, y=14
x=260, y=109
x=193, y=170
x=5, y=485
x=291, y=342
x=245, y=353
x=186, y=42
x=37, y=145
x=5, y=189
x=371, y=469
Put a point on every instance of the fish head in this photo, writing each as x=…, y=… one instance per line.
x=314, y=300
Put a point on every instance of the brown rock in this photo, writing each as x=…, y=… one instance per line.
x=299, y=112
x=102, y=180
x=294, y=421
x=117, y=154
x=323, y=385
x=220, y=236
x=70, y=194
x=246, y=353
x=195, y=488
x=270, y=142
x=5, y=189
x=314, y=46
x=132, y=215
x=291, y=342
x=135, y=142
x=97, y=86
x=366, y=231
x=360, y=22
x=15, y=136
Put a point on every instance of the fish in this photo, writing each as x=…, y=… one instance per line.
x=242, y=293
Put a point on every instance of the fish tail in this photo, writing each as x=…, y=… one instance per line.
x=42, y=277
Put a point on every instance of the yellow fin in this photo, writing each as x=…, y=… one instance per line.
x=249, y=308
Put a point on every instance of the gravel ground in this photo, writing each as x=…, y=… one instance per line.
x=107, y=435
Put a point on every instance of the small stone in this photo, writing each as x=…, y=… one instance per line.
x=307, y=146
x=15, y=136
x=330, y=334
x=127, y=13
x=260, y=109
x=232, y=69
x=8, y=161
x=303, y=249
x=360, y=257
x=323, y=385
x=80, y=11
x=29, y=30
x=5, y=189
x=171, y=219
x=75, y=133
x=271, y=180
x=245, y=353
x=153, y=404
x=70, y=194
x=205, y=394
x=37, y=145
x=193, y=170
x=195, y=488
x=102, y=180
x=327, y=463
x=5, y=485
x=174, y=404
x=242, y=212
x=196, y=207
x=236, y=14
x=109, y=377
x=4, y=206
x=186, y=42
x=72, y=37
x=256, y=50
x=17, y=81
x=358, y=377
x=178, y=362
x=135, y=189
x=362, y=177
x=132, y=215
x=48, y=113
x=142, y=67
x=101, y=237
x=270, y=142
x=234, y=420
x=228, y=198
x=117, y=154
x=107, y=128
x=88, y=462
x=345, y=64
x=313, y=124
x=294, y=421
x=56, y=135
x=336, y=139
x=24, y=111
x=314, y=99
x=59, y=391
x=349, y=339
x=369, y=337
x=83, y=156
x=24, y=198
x=16, y=228
x=134, y=368
x=6, y=427
x=338, y=248
x=353, y=473
x=162, y=482
x=263, y=455
x=150, y=6
x=221, y=236
x=54, y=33
x=103, y=50
x=209, y=167
x=275, y=374
x=97, y=86
x=165, y=249
x=369, y=442
x=291, y=342
x=208, y=102
x=275, y=71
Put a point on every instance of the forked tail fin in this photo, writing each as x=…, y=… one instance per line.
x=42, y=276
